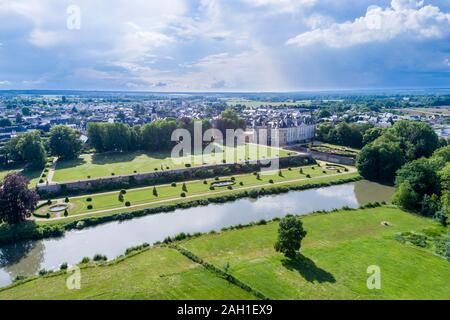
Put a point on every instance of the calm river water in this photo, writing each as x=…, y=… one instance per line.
x=112, y=239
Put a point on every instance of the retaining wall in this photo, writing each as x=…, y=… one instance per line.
x=104, y=181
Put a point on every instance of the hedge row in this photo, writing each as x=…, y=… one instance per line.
x=28, y=231
x=221, y=273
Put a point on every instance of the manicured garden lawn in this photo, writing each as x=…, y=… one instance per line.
x=32, y=175
x=159, y=273
x=104, y=165
x=140, y=196
x=334, y=258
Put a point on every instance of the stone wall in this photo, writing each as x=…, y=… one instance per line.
x=105, y=181
x=328, y=157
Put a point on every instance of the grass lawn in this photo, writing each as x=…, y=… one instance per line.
x=336, y=253
x=167, y=193
x=159, y=273
x=32, y=175
x=334, y=258
x=103, y=165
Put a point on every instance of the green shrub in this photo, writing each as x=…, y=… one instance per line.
x=99, y=257
x=183, y=194
x=66, y=200
x=90, y=207
x=271, y=181
x=173, y=184
x=128, y=203
x=63, y=266
x=85, y=260
x=123, y=191
x=89, y=199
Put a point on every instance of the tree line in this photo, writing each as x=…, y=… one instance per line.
x=411, y=155
x=31, y=148
x=154, y=136
x=353, y=135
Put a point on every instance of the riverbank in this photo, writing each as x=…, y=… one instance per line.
x=335, y=255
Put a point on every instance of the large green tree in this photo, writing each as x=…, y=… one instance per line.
x=417, y=139
x=290, y=236
x=380, y=160
x=30, y=148
x=64, y=142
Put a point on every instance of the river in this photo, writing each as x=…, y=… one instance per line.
x=112, y=239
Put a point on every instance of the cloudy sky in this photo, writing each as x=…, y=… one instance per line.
x=224, y=45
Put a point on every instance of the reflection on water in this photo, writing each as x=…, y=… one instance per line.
x=366, y=191
x=112, y=239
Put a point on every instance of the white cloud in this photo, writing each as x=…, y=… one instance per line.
x=41, y=38
x=287, y=6
x=403, y=18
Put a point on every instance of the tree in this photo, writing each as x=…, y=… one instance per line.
x=421, y=176
x=5, y=122
x=183, y=187
x=94, y=132
x=380, y=160
x=64, y=142
x=121, y=198
x=417, y=139
x=30, y=148
x=229, y=119
x=290, y=235
x=405, y=196
x=157, y=135
x=17, y=202
x=372, y=134
x=26, y=111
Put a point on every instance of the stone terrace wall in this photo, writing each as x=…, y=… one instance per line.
x=328, y=157
x=99, y=182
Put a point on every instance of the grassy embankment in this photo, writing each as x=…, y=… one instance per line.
x=106, y=164
x=140, y=198
x=334, y=258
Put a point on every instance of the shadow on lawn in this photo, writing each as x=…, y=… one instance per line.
x=308, y=269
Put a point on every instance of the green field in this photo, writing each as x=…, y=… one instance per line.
x=257, y=103
x=334, y=258
x=104, y=165
x=143, y=197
